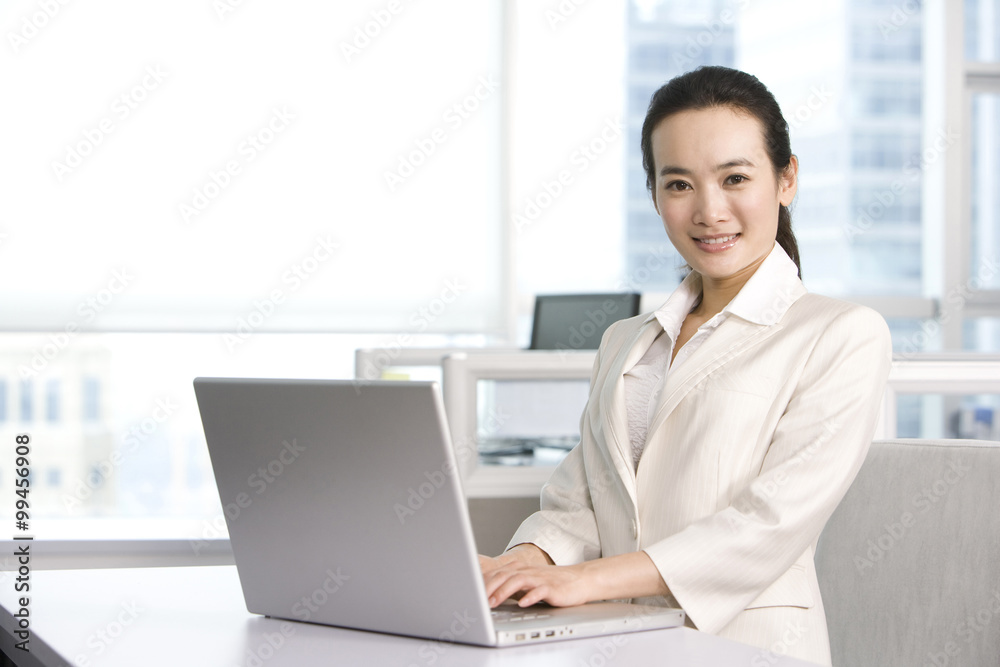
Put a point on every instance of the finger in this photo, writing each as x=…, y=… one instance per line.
x=508, y=587
x=493, y=590
x=492, y=581
x=487, y=564
x=512, y=580
x=534, y=596
x=498, y=575
x=526, y=588
x=493, y=578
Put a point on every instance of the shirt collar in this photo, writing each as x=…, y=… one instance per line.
x=672, y=313
x=773, y=287
x=764, y=298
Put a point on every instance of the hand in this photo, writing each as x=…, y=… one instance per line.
x=523, y=553
x=527, y=572
x=560, y=586
x=487, y=564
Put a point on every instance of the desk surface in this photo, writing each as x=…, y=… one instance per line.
x=196, y=616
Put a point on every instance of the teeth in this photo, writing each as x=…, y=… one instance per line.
x=723, y=239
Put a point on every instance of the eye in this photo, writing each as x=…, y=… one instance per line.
x=676, y=186
x=736, y=179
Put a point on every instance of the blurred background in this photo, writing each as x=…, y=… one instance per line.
x=256, y=188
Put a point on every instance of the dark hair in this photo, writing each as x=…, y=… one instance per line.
x=713, y=86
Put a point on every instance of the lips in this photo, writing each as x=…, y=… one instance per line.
x=717, y=243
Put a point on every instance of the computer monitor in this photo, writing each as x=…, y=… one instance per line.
x=577, y=321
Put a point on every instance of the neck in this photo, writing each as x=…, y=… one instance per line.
x=718, y=292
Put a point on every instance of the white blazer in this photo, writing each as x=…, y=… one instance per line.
x=755, y=440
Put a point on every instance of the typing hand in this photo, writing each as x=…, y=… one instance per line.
x=528, y=574
x=560, y=586
x=487, y=564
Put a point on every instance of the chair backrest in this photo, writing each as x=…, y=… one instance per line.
x=909, y=563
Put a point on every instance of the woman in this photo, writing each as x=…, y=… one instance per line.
x=723, y=429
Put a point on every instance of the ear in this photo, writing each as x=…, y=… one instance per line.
x=788, y=182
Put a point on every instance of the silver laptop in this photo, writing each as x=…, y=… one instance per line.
x=345, y=508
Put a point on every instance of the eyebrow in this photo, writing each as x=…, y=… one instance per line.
x=669, y=170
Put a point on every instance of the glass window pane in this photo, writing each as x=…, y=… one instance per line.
x=981, y=334
x=566, y=172
x=123, y=436
x=948, y=416
x=27, y=400
x=982, y=30
x=984, y=269
x=913, y=335
x=91, y=399
x=283, y=173
x=52, y=400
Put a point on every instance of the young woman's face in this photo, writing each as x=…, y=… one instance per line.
x=716, y=190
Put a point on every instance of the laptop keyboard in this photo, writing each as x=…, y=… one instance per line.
x=518, y=615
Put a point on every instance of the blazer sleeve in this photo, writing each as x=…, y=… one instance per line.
x=565, y=527
x=716, y=567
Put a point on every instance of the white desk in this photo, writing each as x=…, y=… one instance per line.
x=195, y=616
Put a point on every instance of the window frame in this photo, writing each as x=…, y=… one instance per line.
x=954, y=88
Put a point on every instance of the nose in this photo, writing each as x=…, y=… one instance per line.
x=711, y=206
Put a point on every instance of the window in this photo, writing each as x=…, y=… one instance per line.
x=982, y=30
x=91, y=394
x=27, y=389
x=885, y=149
x=870, y=41
x=977, y=286
x=883, y=96
x=509, y=130
x=984, y=269
x=52, y=400
x=229, y=183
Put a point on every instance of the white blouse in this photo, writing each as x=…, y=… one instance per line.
x=644, y=381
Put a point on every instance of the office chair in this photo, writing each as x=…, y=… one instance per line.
x=909, y=563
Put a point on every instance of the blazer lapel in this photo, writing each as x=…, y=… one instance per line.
x=615, y=417
x=734, y=337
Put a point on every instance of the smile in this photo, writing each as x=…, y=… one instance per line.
x=718, y=243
